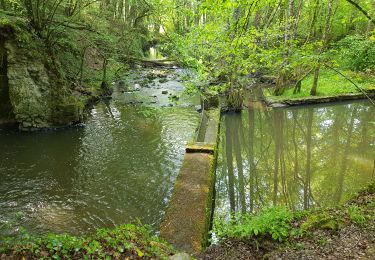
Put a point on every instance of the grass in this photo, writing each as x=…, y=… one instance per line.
x=330, y=84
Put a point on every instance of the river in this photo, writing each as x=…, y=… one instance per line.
x=117, y=167
x=120, y=165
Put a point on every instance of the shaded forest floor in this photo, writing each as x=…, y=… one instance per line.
x=346, y=232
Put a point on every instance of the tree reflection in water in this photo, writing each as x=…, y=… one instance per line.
x=298, y=157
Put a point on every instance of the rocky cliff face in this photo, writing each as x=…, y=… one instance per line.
x=33, y=91
x=6, y=114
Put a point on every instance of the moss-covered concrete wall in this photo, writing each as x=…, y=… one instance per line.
x=185, y=224
x=188, y=217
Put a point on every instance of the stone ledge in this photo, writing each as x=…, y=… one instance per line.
x=315, y=99
x=188, y=218
x=186, y=223
x=200, y=147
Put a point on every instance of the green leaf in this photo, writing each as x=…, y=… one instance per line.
x=139, y=252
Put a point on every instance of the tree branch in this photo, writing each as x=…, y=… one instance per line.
x=74, y=26
x=351, y=81
x=361, y=10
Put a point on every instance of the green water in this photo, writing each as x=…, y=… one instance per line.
x=312, y=156
x=120, y=166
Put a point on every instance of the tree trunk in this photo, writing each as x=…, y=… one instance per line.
x=315, y=81
x=83, y=54
x=325, y=39
x=3, y=5
x=105, y=85
x=288, y=37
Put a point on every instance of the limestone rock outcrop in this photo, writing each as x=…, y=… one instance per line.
x=37, y=94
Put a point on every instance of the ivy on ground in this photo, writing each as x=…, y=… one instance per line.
x=126, y=241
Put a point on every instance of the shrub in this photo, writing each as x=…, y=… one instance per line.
x=124, y=241
x=357, y=53
x=274, y=222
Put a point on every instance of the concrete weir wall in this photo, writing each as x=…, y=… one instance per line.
x=187, y=220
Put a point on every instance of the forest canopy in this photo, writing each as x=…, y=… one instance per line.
x=226, y=42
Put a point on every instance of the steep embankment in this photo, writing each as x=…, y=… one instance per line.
x=33, y=90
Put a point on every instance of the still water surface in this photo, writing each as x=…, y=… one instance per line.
x=299, y=157
x=119, y=167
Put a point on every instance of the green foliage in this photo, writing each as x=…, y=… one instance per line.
x=357, y=214
x=80, y=35
x=357, y=53
x=226, y=42
x=232, y=42
x=235, y=99
x=281, y=224
x=273, y=222
x=125, y=240
x=371, y=188
x=323, y=220
x=14, y=25
x=330, y=84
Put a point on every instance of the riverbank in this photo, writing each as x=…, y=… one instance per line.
x=274, y=101
x=124, y=242
x=45, y=85
x=346, y=232
x=332, y=88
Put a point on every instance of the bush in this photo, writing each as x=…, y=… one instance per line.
x=273, y=222
x=126, y=241
x=357, y=53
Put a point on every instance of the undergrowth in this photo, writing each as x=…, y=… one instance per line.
x=282, y=225
x=273, y=222
x=125, y=241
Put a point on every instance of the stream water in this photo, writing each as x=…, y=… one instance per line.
x=118, y=167
x=121, y=164
x=312, y=156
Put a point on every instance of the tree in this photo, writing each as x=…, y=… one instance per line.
x=325, y=41
x=356, y=5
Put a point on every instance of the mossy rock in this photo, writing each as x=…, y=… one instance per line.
x=322, y=221
x=39, y=94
